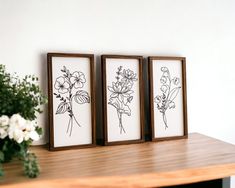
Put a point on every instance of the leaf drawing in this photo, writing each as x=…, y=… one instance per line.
x=81, y=97
x=66, y=86
x=62, y=108
x=170, y=90
x=121, y=93
x=174, y=92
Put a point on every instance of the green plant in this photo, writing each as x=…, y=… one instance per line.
x=20, y=101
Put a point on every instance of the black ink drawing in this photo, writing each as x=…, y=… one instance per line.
x=169, y=93
x=121, y=97
x=68, y=90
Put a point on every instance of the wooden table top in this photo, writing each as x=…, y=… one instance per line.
x=149, y=164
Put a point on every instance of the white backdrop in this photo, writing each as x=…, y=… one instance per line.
x=201, y=30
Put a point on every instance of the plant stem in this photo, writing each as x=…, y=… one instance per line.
x=165, y=120
x=76, y=121
x=71, y=126
x=68, y=125
x=120, y=124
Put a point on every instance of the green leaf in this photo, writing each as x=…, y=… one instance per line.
x=31, y=168
x=1, y=170
x=1, y=156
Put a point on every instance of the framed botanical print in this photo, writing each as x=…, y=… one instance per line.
x=71, y=100
x=123, y=99
x=168, y=104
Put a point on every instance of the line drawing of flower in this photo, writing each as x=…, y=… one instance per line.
x=61, y=85
x=67, y=87
x=78, y=79
x=165, y=101
x=121, y=90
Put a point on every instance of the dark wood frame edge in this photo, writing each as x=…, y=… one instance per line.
x=50, y=100
x=150, y=72
x=103, y=73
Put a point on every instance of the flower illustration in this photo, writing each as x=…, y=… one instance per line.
x=166, y=100
x=163, y=79
x=78, y=79
x=157, y=99
x=61, y=85
x=128, y=76
x=120, y=90
x=171, y=105
x=120, y=96
x=68, y=84
x=176, y=81
x=164, y=69
x=164, y=88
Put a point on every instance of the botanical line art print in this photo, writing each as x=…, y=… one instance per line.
x=170, y=90
x=68, y=89
x=121, y=90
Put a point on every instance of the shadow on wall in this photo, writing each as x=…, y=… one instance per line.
x=43, y=85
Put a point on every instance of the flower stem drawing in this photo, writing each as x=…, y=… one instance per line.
x=68, y=87
x=170, y=90
x=121, y=91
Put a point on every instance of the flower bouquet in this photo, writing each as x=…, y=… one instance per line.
x=20, y=100
x=121, y=93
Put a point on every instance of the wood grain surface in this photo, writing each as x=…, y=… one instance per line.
x=150, y=164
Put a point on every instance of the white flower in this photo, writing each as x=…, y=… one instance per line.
x=26, y=136
x=3, y=132
x=18, y=135
x=34, y=135
x=16, y=128
x=17, y=121
x=19, y=129
x=29, y=125
x=4, y=121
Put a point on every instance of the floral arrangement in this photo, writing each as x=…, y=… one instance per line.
x=170, y=90
x=20, y=101
x=68, y=87
x=121, y=91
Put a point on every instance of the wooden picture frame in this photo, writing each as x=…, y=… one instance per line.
x=118, y=101
x=168, y=97
x=71, y=94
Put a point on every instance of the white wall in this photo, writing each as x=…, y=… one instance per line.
x=201, y=30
